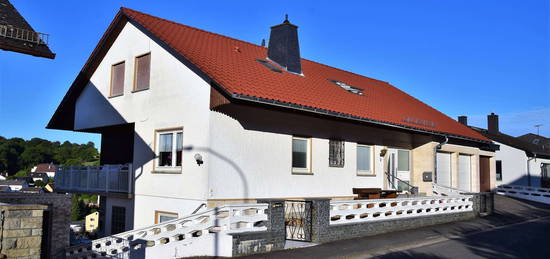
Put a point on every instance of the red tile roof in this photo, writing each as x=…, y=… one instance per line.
x=232, y=64
x=44, y=167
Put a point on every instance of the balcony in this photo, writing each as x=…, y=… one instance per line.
x=110, y=180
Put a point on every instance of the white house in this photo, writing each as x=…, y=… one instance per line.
x=518, y=162
x=46, y=168
x=189, y=118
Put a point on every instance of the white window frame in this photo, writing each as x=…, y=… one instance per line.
x=173, y=168
x=307, y=169
x=371, y=165
x=410, y=162
x=159, y=213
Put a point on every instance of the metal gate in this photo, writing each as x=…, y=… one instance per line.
x=298, y=220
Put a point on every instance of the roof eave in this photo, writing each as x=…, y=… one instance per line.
x=350, y=117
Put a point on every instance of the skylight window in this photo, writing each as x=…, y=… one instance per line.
x=349, y=88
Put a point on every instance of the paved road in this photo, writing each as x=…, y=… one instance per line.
x=517, y=229
x=524, y=240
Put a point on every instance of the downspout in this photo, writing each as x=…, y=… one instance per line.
x=435, y=156
x=2, y=218
x=529, y=169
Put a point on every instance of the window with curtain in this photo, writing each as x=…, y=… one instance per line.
x=170, y=149
x=403, y=160
x=117, y=79
x=142, y=72
x=336, y=153
x=364, y=157
x=301, y=155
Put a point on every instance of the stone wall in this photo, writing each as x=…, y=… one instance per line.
x=261, y=242
x=21, y=230
x=57, y=217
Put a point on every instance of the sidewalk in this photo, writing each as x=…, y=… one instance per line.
x=508, y=213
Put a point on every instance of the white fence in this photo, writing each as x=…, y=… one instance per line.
x=523, y=192
x=202, y=234
x=105, y=178
x=9, y=31
x=357, y=211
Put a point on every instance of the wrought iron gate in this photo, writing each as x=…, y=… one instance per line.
x=298, y=220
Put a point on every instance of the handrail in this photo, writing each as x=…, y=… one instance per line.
x=412, y=189
x=199, y=207
x=436, y=189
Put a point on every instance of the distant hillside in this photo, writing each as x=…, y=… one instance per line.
x=17, y=154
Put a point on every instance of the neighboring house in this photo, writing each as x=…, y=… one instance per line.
x=188, y=117
x=541, y=141
x=92, y=222
x=517, y=162
x=17, y=35
x=2, y=177
x=5, y=189
x=48, y=169
x=39, y=177
x=14, y=185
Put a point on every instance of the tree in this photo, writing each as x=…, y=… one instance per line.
x=78, y=209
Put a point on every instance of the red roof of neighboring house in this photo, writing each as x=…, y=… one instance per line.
x=43, y=168
x=232, y=65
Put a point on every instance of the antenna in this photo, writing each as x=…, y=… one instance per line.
x=538, y=128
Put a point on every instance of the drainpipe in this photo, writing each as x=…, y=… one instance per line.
x=529, y=169
x=435, y=156
x=2, y=218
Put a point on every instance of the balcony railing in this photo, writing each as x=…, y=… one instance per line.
x=95, y=179
x=9, y=31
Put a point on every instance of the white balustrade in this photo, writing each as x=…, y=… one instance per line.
x=357, y=211
x=181, y=233
x=105, y=178
x=524, y=192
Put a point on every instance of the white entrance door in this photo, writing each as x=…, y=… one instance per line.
x=443, y=174
x=399, y=168
x=464, y=172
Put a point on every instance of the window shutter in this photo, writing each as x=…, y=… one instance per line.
x=143, y=72
x=336, y=153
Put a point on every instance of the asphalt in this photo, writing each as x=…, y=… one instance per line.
x=517, y=229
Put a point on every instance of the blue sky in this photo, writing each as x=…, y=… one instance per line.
x=461, y=57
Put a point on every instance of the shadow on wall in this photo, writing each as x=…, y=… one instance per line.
x=524, y=180
x=120, y=144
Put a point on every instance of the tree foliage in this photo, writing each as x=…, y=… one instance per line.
x=17, y=154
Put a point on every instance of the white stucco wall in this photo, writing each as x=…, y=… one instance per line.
x=254, y=164
x=514, y=165
x=177, y=98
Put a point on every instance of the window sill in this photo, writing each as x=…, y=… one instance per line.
x=302, y=172
x=140, y=90
x=365, y=174
x=113, y=96
x=166, y=171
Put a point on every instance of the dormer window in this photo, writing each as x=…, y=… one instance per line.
x=349, y=88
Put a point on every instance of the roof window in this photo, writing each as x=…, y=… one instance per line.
x=349, y=88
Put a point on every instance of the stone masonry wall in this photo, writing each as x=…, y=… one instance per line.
x=261, y=242
x=21, y=230
x=57, y=214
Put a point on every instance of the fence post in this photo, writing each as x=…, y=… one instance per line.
x=320, y=219
x=276, y=221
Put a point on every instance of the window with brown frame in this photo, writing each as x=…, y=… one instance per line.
x=163, y=216
x=143, y=72
x=117, y=79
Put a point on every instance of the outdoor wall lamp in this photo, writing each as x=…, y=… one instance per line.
x=198, y=158
x=383, y=152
